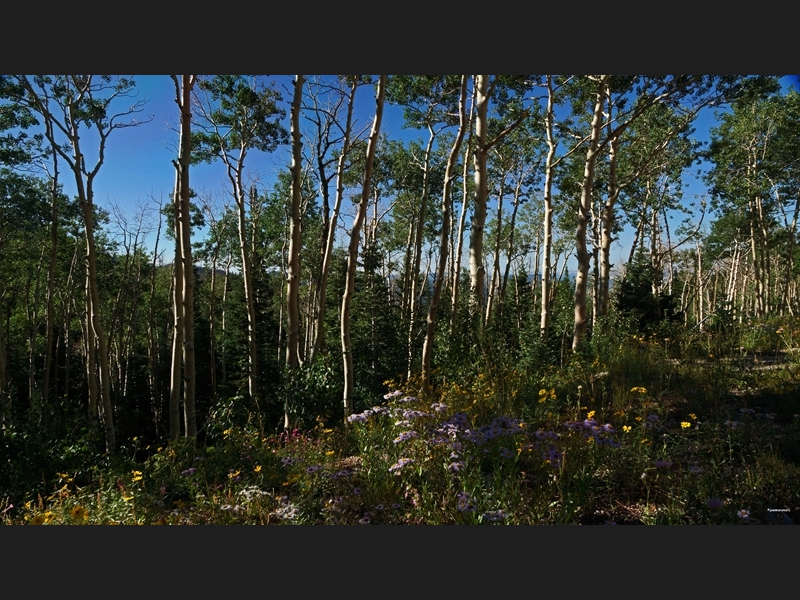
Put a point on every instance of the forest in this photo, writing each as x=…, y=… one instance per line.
x=446, y=299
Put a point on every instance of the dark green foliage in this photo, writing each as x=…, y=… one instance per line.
x=634, y=295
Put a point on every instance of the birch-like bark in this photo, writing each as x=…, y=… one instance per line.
x=418, y=235
x=456, y=271
x=544, y=322
x=477, y=271
x=444, y=239
x=293, y=280
x=352, y=251
x=319, y=339
x=183, y=95
x=582, y=277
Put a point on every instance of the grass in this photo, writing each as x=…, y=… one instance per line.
x=657, y=431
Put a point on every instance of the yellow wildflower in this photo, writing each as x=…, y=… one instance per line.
x=330, y=453
x=137, y=475
x=590, y=415
x=257, y=468
x=685, y=424
x=626, y=428
x=639, y=389
x=638, y=418
x=37, y=520
x=78, y=513
x=233, y=474
x=49, y=517
x=693, y=416
x=126, y=498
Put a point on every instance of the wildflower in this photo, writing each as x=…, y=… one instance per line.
x=464, y=502
x=406, y=435
x=234, y=474
x=313, y=469
x=227, y=432
x=590, y=415
x=398, y=466
x=455, y=467
x=137, y=475
x=359, y=418
x=626, y=428
x=189, y=471
x=234, y=510
x=714, y=503
x=357, y=491
x=493, y=516
x=330, y=453
x=743, y=514
x=78, y=513
x=693, y=416
x=685, y=424
x=126, y=498
x=257, y=469
x=639, y=389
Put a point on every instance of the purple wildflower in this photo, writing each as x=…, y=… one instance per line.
x=464, y=502
x=405, y=436
x=398, y=466
x=493, y=516
x=714, y=503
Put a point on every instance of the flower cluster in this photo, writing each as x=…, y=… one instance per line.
x=599, y=434
x=464, y=502
x=406, y=435
x=398, y=466
x=494, y=516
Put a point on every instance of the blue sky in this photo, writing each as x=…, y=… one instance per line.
x=138, y=170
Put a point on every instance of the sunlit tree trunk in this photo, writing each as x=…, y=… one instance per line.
x=417, y=254
x=477, y=271
x=447, y=202
x=547, y=250
x=319, y=340
x=352, y=251
x=459, y=246
x=293, y=282
x=582, y=277
x=183, y=257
